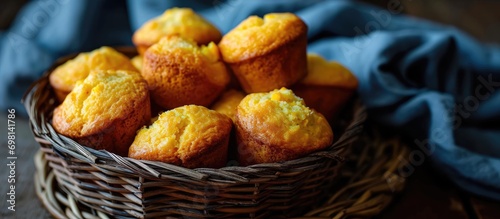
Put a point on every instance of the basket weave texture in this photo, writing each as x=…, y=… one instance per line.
x=367, y=184
x=130, y=188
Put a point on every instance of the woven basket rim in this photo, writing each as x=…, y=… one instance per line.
x=40, y=114
x=365, y=193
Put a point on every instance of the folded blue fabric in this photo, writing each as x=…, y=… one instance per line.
x=431, y=82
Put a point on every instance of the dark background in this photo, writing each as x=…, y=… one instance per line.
x=480, y=18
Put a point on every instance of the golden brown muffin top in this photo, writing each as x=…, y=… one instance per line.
x=228, y=103
x=281, y=119
x=188, y=48
x=137, y=62
x=181, y=132
x=256, y=36
x=66, y=75
x=177, y=21
x=323, y=72
x=101, y=98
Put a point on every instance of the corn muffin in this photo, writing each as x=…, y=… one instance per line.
x=190, y=136
x=137, y=62
x=183, y=22
x=105, y=110
x=327, y=86
x=64, y=77
x=267, y=54
x=277, y=126
x=179, y=72
x=228, y=102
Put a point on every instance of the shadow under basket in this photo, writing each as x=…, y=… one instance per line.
x=130, y=188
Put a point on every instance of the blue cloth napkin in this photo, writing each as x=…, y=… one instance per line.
x=431, y=82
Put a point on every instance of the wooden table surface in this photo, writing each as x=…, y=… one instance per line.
x=426, y=195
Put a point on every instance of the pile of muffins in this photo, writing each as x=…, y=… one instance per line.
x=192, y=95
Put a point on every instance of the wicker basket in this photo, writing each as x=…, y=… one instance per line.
x=366, y=185
x=125, y=187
